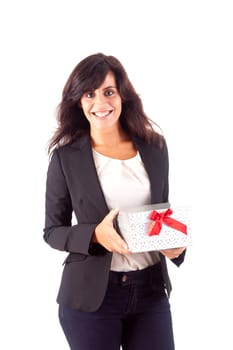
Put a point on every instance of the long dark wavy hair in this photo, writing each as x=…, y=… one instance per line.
x=88, y=75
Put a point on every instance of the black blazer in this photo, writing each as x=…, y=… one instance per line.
x=73, y=187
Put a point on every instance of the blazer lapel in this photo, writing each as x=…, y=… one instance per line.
x=88, y=175
x=151, y=157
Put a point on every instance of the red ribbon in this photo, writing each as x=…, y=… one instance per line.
x=164, y=218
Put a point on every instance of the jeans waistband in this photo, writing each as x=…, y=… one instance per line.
x=144, y=276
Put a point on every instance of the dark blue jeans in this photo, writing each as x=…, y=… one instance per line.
x=135, y=314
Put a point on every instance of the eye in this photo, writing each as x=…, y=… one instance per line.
x=89, y=94
x=109, y=92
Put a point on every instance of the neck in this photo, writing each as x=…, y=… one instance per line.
x=108, y=138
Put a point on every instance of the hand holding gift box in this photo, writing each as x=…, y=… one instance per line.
x=155, y=227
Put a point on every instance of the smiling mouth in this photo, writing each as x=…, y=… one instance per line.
x=103, y=114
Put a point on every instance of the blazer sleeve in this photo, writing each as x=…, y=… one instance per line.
x=59, y=232
x=166, y=172
x=177, y=261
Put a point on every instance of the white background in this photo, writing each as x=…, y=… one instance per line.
x=178, y=55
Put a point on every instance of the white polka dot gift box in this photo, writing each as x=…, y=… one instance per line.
x=155, y=227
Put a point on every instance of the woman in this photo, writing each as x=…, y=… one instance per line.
x=105, y=156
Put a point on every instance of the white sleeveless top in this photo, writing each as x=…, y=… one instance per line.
x=125, y=183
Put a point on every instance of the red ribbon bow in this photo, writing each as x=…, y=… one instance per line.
x=164, y=218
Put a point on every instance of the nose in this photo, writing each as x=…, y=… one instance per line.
x=99, y=98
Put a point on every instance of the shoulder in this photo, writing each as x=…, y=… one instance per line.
x=67, y=154
x=78, y=144
x=156, y=142
x=153, y=153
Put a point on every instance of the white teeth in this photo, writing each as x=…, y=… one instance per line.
x=101, y=114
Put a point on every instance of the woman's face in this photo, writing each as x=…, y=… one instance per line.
x=102, y=107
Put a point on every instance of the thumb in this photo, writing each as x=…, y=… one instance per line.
x=113, y=213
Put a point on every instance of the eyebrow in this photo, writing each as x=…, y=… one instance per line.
x=110, y=87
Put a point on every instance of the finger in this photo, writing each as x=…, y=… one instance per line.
x=121, y=243
x=171, y=253
x=121, y=249
x=118, y=246
x=179, y=251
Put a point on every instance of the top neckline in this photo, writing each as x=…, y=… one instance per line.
x=100, y=155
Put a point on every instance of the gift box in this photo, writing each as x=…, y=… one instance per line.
x=155, y=227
